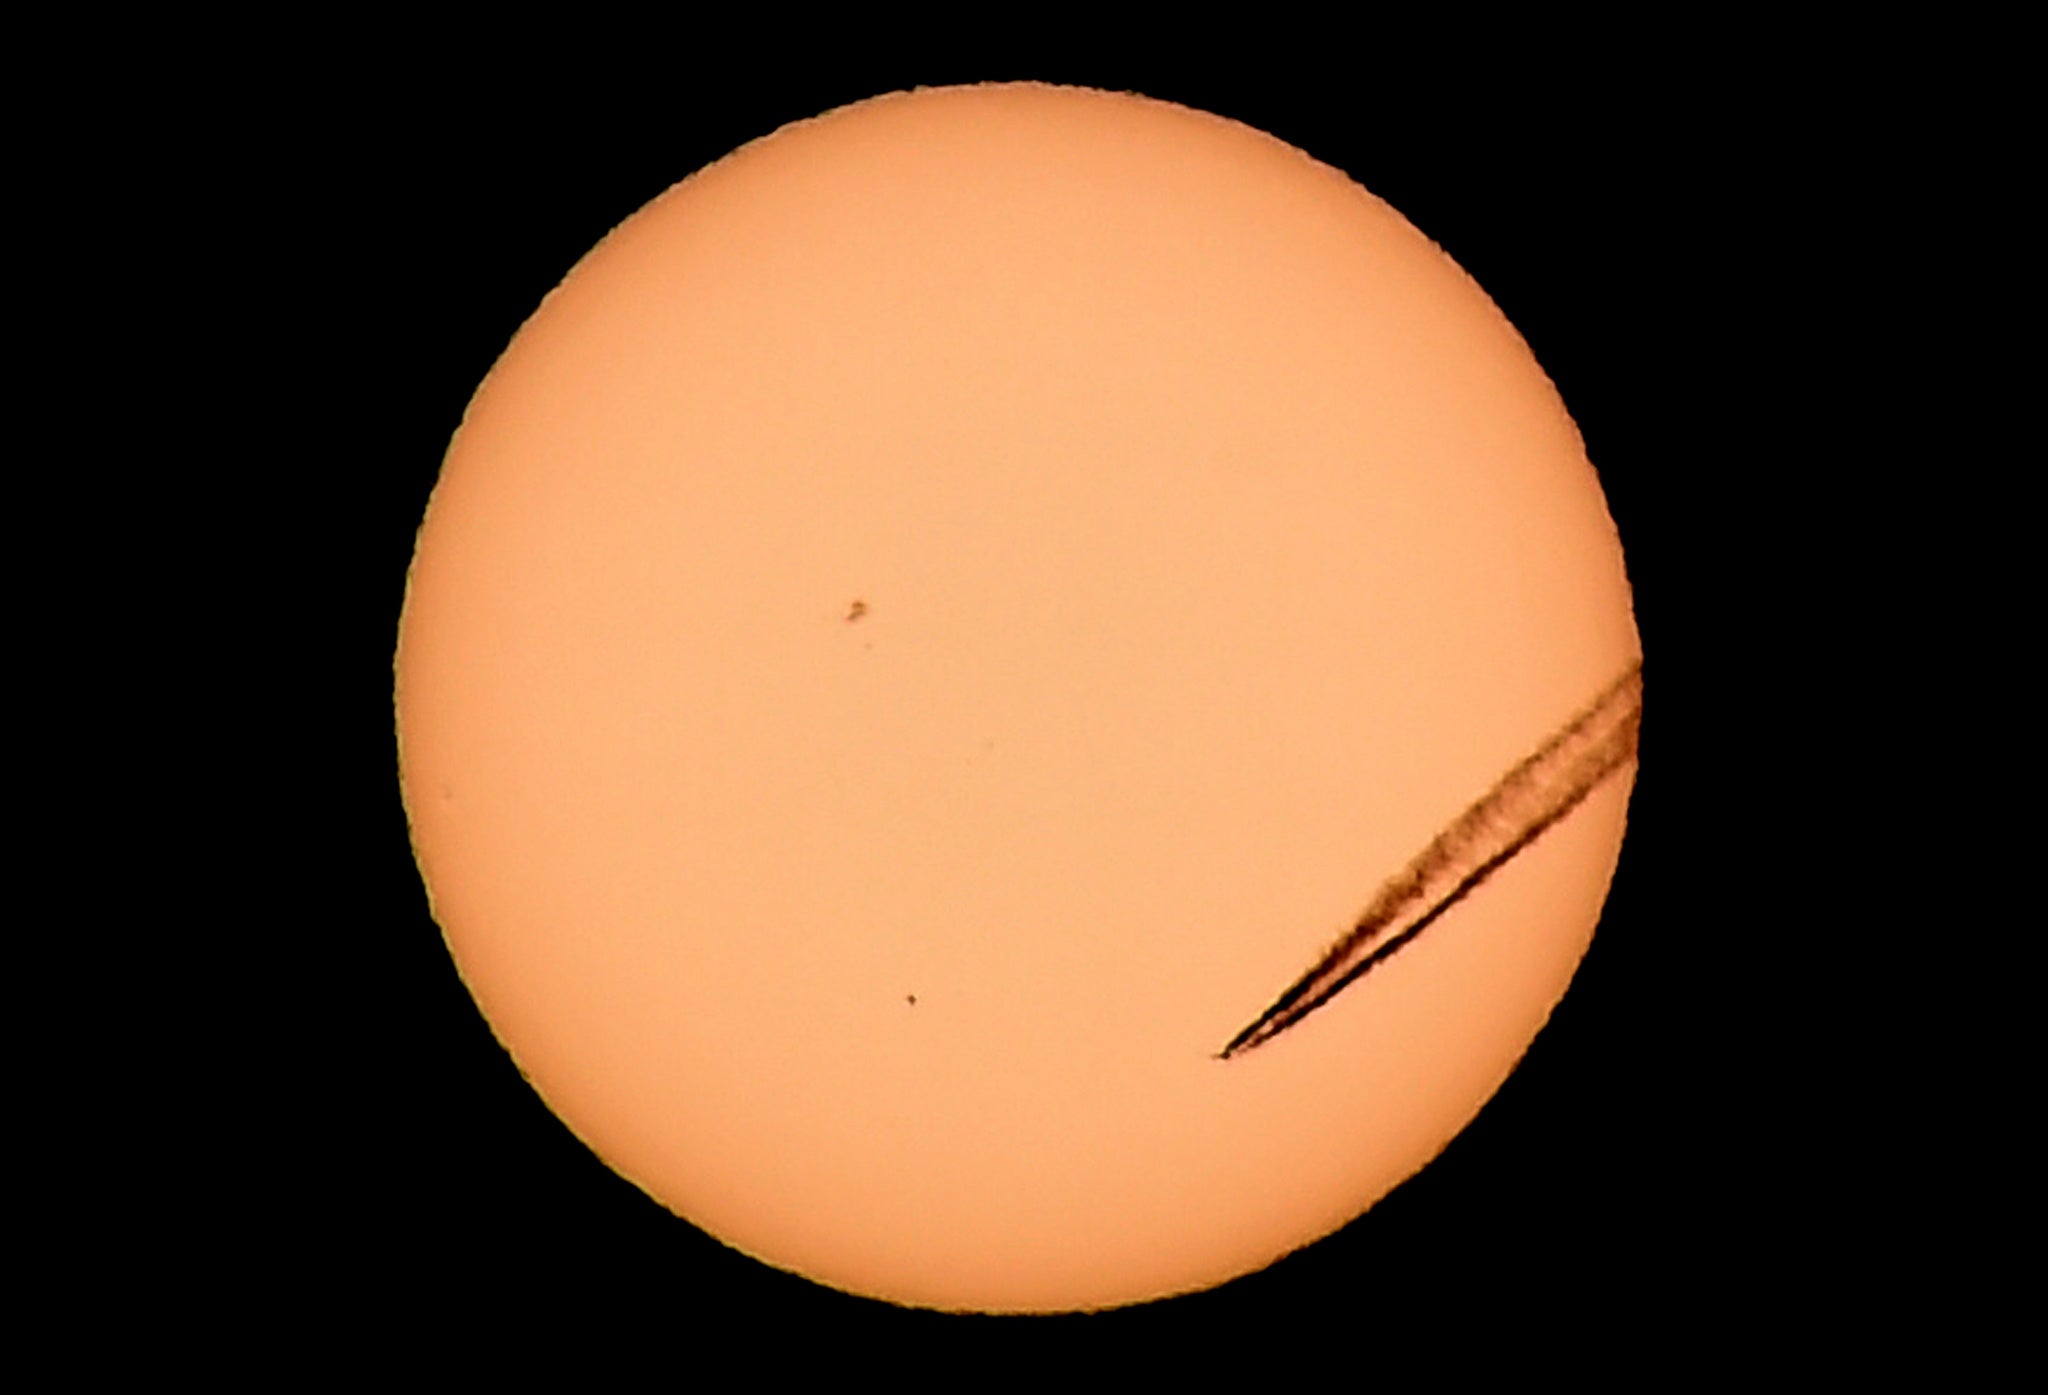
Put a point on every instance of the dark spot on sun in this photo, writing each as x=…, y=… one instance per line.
x=856, y=610
x=910, y=998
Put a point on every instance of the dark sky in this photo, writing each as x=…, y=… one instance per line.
x=418, y=215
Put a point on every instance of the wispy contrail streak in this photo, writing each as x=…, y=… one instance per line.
x=1530, y=798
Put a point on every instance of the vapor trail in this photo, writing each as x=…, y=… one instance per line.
x=1538, y=792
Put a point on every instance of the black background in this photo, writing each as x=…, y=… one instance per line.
x=402, y=1174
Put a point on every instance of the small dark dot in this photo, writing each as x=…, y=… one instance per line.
x=910, y=998
x=856, y=610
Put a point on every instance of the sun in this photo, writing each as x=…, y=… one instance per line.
x=940, y=619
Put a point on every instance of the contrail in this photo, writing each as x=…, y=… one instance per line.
x=1530, y=798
